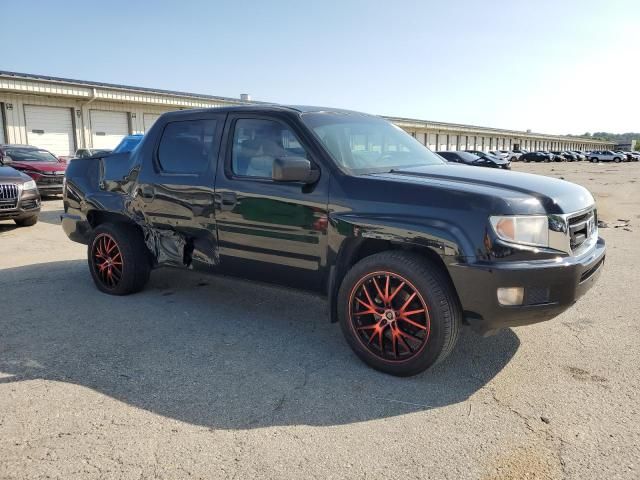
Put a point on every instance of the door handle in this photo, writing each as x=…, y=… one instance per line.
x=226, y=201
x=146, y=192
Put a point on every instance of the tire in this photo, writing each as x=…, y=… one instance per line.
x=594, y=160
x=26, y=222
x=616, y=159
x=547, y=160
x=514, y=159
x=403, y=347
x=118, y=259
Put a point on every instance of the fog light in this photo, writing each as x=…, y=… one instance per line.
x=511, y=296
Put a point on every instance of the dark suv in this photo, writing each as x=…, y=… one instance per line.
x=19, y=197
x=406, y=247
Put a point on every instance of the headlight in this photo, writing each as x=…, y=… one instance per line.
x=527, y=230
x=30, y=185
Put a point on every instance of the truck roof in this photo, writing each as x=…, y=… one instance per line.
x=270, y=108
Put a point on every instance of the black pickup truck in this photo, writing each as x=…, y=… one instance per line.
x=406, y=247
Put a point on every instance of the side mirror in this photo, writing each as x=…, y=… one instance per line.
x=5, y=160
x=293, y=169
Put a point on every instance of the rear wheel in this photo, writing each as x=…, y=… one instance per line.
x=26, y=222
x=399, y=312
x=118, y=259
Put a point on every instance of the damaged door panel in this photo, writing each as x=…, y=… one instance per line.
x=174, y=193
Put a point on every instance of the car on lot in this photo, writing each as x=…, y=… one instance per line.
x=579, y=155
x=553, y=157
x=536, y=157
x=500, y=153
x=606, y=156
x=90, y=152
x=485, y=155
x=568, y=156
x=475, y=160
x=405, y=246
x=627, y=156
x=128, y=143
x=19, y=197
x=41, y=165
x=636, y=156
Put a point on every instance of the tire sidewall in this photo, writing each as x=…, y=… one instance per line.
x=129, y=261
x=425, y=286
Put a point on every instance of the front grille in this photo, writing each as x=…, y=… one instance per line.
x=581, y=227
x=50, y=180
x=8, y=191
x=8, y=196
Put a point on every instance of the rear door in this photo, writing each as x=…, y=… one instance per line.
x=175, y=189
x=270, y=231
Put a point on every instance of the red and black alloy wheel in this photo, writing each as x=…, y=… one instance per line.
x=118, y=259
x=108, y=260
x=399, y=312
x=389, y=316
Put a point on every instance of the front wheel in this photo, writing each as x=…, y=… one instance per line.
x=616, y=159
x=118, y=259
x=594, y=160
x=27, y=222
x=399, y=312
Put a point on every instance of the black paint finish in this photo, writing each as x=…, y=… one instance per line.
x=308, y=235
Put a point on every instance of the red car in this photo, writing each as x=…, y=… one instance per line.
x=41, y=165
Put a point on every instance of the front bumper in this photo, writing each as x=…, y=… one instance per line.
x=28, y=205
x=550, y=288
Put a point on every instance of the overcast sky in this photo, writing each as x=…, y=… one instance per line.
x=550, y=66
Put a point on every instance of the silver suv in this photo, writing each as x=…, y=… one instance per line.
x=606, y=156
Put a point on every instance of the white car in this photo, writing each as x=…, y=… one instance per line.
x=606, y=156
x=500, y=154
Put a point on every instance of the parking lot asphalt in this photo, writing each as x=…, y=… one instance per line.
x=209, y=377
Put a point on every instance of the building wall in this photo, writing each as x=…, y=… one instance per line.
x=81, y=98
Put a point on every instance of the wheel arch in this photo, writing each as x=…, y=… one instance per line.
x=355, y=249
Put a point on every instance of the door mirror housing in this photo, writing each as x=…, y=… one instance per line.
x=294, y=169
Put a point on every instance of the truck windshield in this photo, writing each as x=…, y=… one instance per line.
x=364, y=144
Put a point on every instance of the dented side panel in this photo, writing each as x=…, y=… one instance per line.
x=174, y=212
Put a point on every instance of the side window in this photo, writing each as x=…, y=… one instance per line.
x=257, y=143
x=187, y=146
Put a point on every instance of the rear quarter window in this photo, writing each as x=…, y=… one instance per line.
x=188, y=146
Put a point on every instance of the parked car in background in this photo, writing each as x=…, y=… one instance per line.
x=606, y=156
x=128, y=143
x=636, y=156
x=404, y=246
x=41, y=165
x=90, y=152
x=475, y=160
x=536, y=157
x=579, y=155
x=516, y=153
x=568, y=156
x=553, y=157
x=627, y=156
x=19, y=197
x=499, y=153
x=488, y=156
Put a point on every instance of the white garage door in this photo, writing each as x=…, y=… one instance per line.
x=108, y=128
x=150, y=119
x=50, y=128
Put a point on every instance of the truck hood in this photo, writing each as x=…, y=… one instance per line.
x=43, y=167
x=11, y=175
x=525, y=193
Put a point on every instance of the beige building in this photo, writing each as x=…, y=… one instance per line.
x=62, y=115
